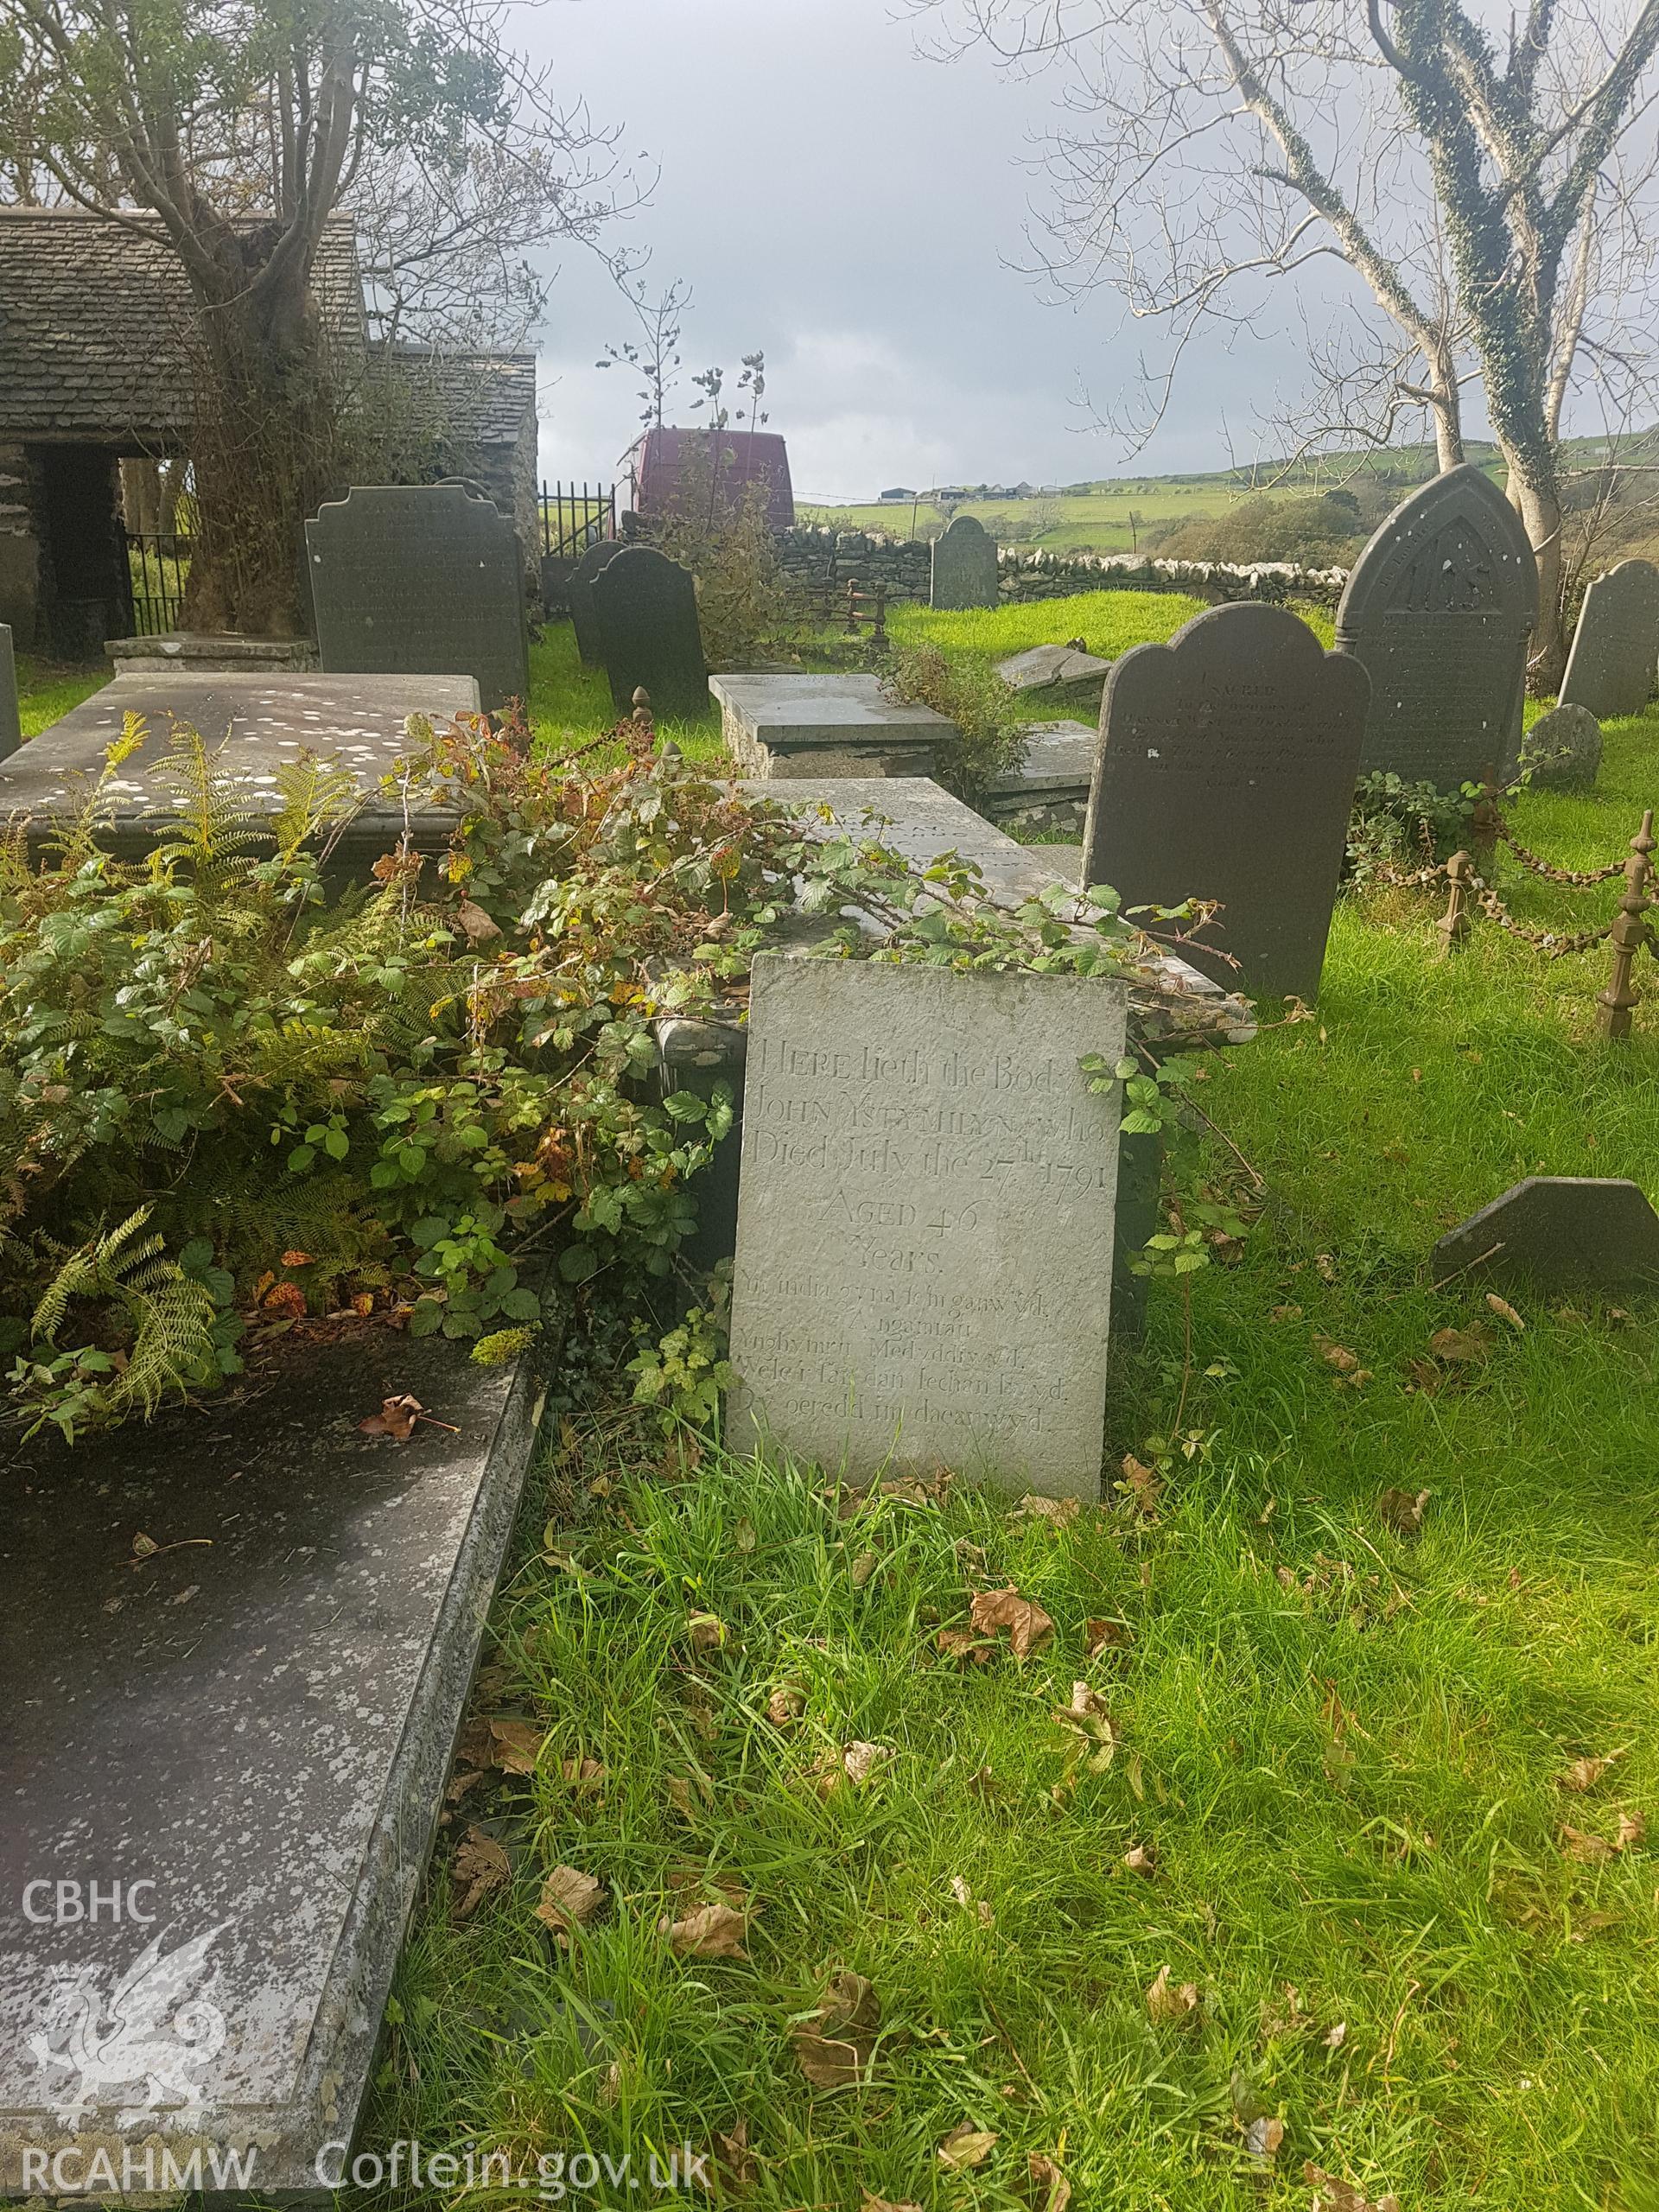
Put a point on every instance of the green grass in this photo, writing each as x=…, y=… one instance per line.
x=47, y=689
x=1346, y=1748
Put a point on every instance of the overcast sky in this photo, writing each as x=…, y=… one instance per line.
x=852, y=209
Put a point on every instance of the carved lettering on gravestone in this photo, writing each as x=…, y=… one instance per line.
x=1439, y=608
x=420, y=579
x=11, y=728
x=924, y=1220
x=1225, y=769
x=649, y=634
x=964, y=566
x=1610, y=667
x=584, y=615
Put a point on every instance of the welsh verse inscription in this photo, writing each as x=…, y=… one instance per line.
x=924, y=1220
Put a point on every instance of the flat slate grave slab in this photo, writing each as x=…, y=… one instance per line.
x=264, y=721
x=1042, y=667
x=824, y=726
x=925, y=1220
x=1568, y=1232
x=419, y=579
x=256, y=1719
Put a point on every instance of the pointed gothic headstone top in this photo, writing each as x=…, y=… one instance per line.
x=1439, y=608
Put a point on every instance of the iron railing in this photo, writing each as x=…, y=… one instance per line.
x=575, y=516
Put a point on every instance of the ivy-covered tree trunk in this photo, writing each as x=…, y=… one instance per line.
x=266, y=448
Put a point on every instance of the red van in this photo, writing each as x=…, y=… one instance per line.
x=653, y=465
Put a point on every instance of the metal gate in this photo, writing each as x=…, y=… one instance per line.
x=575, y=516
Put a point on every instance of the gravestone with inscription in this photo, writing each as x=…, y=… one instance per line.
x=420, y=579
x=925, y=1220
x=1611, y=666
x=584, y=615
x=1224, y=770
x=964, y=566
x=648, y=633
x=1439, y=608
x=11, y=728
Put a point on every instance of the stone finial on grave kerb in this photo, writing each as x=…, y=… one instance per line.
x=1632, y=929
x=1453, y=925
x=642, y=713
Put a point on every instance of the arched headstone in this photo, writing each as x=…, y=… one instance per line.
x=584, y=616
x=1611, y=668
x=1440, y=609
x=420, y=580
x=648, y=633
x=1225, y=770
x=964, y=566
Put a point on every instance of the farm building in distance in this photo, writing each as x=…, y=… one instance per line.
x=94, y=370
x=657, y=464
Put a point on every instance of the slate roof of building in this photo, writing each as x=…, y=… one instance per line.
x=478, y=399
x=93, y=317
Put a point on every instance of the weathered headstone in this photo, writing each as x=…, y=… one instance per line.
x=1610, y=667
x=584, y=615
x=420, y=579
x=11, y=728
x=1439, y=608
x=1225, y=770
x=1561, y=752
x=925, y=1220
x=964, y=566
x=648, y=633
x=1557, y=1232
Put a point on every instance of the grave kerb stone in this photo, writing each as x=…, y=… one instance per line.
x=790, y=726
x=11, y=728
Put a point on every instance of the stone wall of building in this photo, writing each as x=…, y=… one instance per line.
x=20, y=546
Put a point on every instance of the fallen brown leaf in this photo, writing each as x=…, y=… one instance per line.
x=570, y=1900
x=1027, y=1622
x=1263, y=2138
x=1460, y=1347
x=1061, y=1511
x=1285, y=1313
x=885, y=2204
x=1505, y=1312
x=1140, y=1486
x=835, y=2048
x=515, y=1745
x=1402, y=1511
x=1334, y=2195
x=1588, y=1850
x=710, y=1931
x=734, y=2158
x=1164, y=2002
x=962, y=1643
x=479, y=1868
x=1337, y=1355
x=1088, y=1719
x=1140, y=1859
x=1585, y=1774
x=863, y=1567
x=585, y=1776
x=397, y=1418
x=689, y=1795
x=476, y=926
x=1632, y=1828
x=1050, y=2190
x=786, y=1705
x=966, y=2147
x=1101, y=1635
x=860, y=1761
x=707, y=1632
x=1334, y=2038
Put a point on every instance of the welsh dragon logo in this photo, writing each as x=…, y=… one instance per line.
x=152, y=2031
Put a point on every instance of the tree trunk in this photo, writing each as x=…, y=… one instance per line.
x=1536, y=497
x=265, y=448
